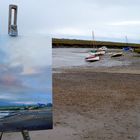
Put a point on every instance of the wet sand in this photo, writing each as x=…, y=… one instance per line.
x=90, y=103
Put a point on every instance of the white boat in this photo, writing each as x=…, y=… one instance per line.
x=104, y=48
x=117, y=54
x=97, y=53
x=92, y=58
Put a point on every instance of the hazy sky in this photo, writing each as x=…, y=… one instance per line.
x=110, y=19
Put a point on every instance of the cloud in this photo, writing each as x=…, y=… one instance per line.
x=25, y=102
x=114, y=2
x=9, y=80
x=5, y=97
x=29, y=71
x=126, y=23
x=69, y=31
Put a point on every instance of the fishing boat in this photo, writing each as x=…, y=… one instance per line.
x=92, y=58
x=117, y=54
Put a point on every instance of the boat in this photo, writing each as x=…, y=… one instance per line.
x=92, y=58
x=104, y=48
x=117, y=54
x=97, y=53
x=93, y=51
x=128, y=49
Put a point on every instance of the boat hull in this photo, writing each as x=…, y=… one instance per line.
x=92, y=58
x=117, y=55
x=97, y=53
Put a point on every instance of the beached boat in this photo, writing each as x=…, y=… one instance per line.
x=97, y=53
x=93, y=51
x=92, y=58
x=117, y=54
x=128, y=49
x=104, y=48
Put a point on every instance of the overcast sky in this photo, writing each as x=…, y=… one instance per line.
x=110, y=19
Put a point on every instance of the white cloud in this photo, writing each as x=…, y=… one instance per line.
x=70, y=31
x=6, y=97
x=25, y=103
x=126, y=23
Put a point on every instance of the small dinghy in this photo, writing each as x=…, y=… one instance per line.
x=92, y=58
x=117, y=54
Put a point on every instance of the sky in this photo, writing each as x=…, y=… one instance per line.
x=109, y=19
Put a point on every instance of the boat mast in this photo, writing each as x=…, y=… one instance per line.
x=126, y=39
x=93, y=37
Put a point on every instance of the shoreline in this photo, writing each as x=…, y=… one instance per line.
x=128, y=69
x=76, y=43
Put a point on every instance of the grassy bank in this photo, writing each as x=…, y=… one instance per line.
x=27, y=107
x=69, y=43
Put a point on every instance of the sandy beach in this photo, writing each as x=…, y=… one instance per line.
x=101, y=103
